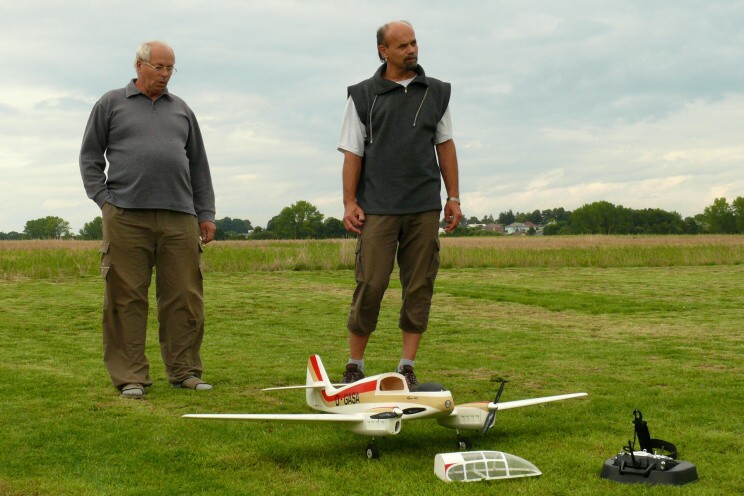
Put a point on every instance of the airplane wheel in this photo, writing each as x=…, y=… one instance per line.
x=463, y=443
x=372, y=451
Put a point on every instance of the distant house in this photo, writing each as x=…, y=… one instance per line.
x=497, y=228
x=523, y=228
x=516, y=227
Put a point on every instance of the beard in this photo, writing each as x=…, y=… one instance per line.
x=410, y=64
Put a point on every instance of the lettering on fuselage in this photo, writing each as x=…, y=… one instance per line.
x=347, y=399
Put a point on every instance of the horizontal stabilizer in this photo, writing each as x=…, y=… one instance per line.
x=287, y=417
x=506, y=405
x=312, y=385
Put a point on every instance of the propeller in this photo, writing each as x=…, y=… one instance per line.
x=492, y=414
x=394, y=413
x=411, y=411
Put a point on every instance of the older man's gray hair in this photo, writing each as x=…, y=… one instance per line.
x=143, y=51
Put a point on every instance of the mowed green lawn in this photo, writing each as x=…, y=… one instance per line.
x=666, y=340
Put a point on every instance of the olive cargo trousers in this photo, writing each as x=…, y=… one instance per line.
x=135, y=241
x=415, y=240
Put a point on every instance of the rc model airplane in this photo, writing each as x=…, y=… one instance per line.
x=376, y=405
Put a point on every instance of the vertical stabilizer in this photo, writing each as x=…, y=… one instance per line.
x=316, y=374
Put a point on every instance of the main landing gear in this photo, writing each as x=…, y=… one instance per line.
x=464, y=443
x=372, y=451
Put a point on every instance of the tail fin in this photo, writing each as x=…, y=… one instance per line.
x=316, y=372
x=316, y=375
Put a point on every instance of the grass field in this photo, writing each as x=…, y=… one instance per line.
x=653, y=323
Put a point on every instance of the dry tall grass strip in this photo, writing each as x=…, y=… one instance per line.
x=56, y=259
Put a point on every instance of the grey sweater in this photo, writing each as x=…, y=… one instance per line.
x=156, y=157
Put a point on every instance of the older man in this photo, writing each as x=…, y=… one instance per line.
x=156, y=201
x=397, y=142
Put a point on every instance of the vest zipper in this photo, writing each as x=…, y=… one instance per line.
x=422, y=104
x=371, y=137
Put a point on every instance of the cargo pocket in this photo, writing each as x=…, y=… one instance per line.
x=105, y=259
x=201, y=267
x=434, y=264
x=358, y=270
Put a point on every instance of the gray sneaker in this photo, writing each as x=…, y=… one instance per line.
x=133, y=391
x=194, y=382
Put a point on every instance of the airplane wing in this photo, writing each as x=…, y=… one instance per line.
x=380, y=422
x=287, y=417
x=474, y=416
x=506, y=405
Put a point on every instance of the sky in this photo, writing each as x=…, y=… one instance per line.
x=554, y=104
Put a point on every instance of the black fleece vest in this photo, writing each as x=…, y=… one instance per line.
x=400, y=173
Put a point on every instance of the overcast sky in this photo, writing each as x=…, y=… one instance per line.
x=554, y=104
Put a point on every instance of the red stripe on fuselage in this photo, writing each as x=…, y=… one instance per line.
x=362, y=387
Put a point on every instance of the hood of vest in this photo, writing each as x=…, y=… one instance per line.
x=383, y=86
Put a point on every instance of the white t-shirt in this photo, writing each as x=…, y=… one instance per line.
x=354, y=132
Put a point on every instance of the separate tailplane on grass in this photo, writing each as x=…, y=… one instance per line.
x=377, y=405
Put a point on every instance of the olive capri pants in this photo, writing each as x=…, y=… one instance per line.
x=415, y=238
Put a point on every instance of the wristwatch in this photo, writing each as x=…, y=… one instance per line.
x=454, y=199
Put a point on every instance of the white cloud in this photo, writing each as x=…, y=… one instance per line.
x=554, y=103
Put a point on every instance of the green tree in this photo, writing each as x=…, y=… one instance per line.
x=299, y=221
x=92, y=229
x=602, y=218
x=554, y=228
x=657, y=221
x=693, y=225
x=261, y=233
x=49, y=227
x=738, y=207
x=12, y=235
x=506, y=218
x=334, y=228
x=228, y=228
x=556, y=214
x=720, y=218
x=535, y=217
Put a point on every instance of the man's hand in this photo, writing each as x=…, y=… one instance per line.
x=452, y=215
x=207, y=231
x=353, y=218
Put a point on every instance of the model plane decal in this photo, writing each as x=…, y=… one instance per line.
x=376, y=405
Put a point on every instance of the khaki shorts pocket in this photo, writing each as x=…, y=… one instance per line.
x=201, y=267
x=435, y=261
x=358, y=269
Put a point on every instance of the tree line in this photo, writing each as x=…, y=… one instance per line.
x=603, y=217
x=302, y=220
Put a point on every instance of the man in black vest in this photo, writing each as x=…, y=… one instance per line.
x=397, y=144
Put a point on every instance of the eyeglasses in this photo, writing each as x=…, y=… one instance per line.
x=161, y=68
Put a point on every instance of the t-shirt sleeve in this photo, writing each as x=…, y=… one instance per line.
x=444, y=128
x=353, y=132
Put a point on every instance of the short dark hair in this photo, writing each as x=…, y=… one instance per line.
x=381, y=32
